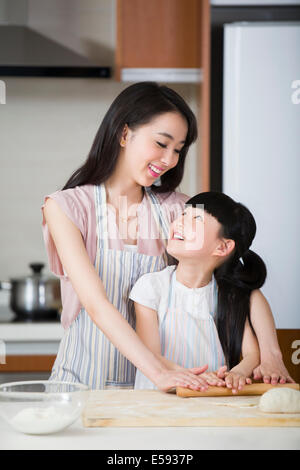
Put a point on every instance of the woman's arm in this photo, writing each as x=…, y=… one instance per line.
x=91, y=293
x=271, y=368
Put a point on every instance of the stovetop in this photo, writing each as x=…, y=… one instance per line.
x=8, y=316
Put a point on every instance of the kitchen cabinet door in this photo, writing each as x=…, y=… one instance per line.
x=158, y=34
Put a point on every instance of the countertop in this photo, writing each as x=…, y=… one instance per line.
x=168, y=438
x=29, y=337
x=116, y=404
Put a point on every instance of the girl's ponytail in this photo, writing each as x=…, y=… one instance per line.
x=254, y=272
x=236, y=279
x=247, y=273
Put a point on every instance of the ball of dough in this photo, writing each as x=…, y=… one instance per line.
x=280, y=400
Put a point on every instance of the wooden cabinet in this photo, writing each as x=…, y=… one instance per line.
x=28, y=363
x=158, y=33
x=169, y=34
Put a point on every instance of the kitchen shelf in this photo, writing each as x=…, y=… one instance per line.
x=168, y=75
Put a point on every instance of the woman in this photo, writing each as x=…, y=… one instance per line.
x=99, y=249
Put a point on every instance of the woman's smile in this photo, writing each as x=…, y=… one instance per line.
x=154, y=170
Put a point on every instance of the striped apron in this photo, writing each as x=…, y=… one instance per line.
x=85, y=354
x=187, y=337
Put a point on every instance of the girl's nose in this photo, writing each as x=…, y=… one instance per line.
x=179, y=223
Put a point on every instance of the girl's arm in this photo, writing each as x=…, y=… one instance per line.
x=148, y=330
x=271, y=368
x=91, y=293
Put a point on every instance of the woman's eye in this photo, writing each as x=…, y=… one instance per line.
x=198, y=217
x=177, y=151
x=161, y=145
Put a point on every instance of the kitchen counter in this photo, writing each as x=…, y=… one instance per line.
x=176, y=438
x=29, y=337
x=116, y=408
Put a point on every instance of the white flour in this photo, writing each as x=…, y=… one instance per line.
x=41, y=420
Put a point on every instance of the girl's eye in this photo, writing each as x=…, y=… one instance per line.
x=198, y=217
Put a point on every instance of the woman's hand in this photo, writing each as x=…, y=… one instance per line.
x=213, y=379
x=272, y=371
x=180, y=377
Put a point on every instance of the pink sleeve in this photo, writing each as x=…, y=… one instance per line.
x=72, y=207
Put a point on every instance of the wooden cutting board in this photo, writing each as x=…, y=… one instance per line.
x=144, y=408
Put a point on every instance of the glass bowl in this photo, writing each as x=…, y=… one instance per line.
x=42, y=406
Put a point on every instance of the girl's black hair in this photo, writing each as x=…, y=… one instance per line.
x=239, y=275
x=138, y=104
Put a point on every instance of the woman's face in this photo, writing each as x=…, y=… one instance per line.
x=194, y=234
x=152, y=149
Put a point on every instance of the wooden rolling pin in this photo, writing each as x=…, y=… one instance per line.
x=253, y=389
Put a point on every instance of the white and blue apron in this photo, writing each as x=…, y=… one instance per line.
x=85, y=354
x=188, y=336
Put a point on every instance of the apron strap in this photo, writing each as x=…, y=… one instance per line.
x=101, y=215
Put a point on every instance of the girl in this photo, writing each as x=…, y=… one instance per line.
x=201, y=311
x=99, y=248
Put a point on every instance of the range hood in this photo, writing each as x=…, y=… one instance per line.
x=27, y=53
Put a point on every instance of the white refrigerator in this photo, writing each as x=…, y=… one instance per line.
x=261, y=149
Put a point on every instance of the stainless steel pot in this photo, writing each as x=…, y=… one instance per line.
x=35, y=296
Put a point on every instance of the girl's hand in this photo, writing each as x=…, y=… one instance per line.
x=272, y=371
x=236, y=381
x=180, y=377
x=233, y=380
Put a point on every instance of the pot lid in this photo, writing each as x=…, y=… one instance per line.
x=36, y=274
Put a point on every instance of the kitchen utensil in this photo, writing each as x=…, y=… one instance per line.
x=253, y=389
x=35, y=296
x=41, y=407
x=152, y=408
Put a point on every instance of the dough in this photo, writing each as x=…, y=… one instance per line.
x=280, y=400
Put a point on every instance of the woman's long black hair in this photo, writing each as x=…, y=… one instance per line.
x=138, y=104
x=239, y=275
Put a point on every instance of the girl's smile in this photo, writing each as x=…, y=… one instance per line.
x=194, y=234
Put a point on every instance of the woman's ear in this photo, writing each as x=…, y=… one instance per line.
x=224, y=248
x=124, y=136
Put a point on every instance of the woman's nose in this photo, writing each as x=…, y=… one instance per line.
x=169, y=158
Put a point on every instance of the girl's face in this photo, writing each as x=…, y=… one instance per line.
x=152, y=149
x=193, y=235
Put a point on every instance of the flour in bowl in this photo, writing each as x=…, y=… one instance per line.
x=41, y=420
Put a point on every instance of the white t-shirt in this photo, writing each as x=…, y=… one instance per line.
x=186, y=316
